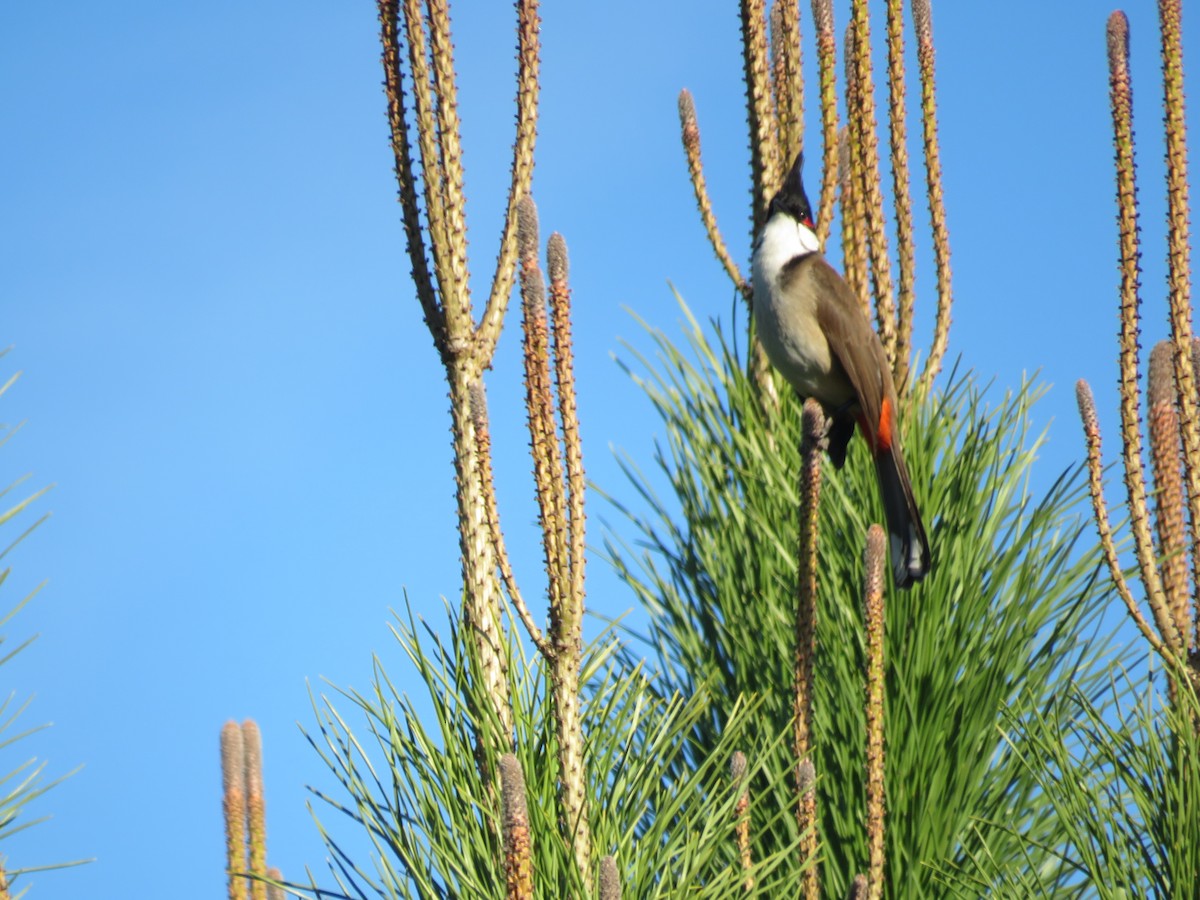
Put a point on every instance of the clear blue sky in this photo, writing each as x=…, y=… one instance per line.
x=228, y=381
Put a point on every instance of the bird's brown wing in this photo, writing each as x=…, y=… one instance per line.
x=859, y=352
x=856, y=346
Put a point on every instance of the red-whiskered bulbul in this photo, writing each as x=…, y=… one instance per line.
x=816, y=334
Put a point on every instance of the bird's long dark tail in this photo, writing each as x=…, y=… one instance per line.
x=909, y=546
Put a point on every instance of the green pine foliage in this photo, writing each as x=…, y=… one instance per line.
x=1123, y=779
x=21, y=782
x=660, y=804
x=1006, y=613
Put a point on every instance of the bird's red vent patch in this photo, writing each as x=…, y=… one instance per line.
x=883, y=437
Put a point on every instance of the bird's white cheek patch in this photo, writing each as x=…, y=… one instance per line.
x=783, y=240
x=807, y=239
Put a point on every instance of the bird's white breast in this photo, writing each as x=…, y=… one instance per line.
x=786, y=315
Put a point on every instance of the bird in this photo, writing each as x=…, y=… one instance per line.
x=816, y=334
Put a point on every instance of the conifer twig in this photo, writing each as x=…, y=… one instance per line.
x=610, y=879
x=867, y=180
x=447, y=304
x=528, y=89
x=901, y=191
x=479, y=416
x=518, y=838
x=1131, y=437
x=449, y=142
x=876, y=552
x=558, y=267
x=1163, y=431
x=449, y=147
x=274, y=891
x=555, y=513
x=256, y=812
x=923, y=26
x=741, y=828
x=690, y=133
x=1178, y=249
x=539, y=407
x=764, y=147
x=827, y=65
x=405, y=175
x=1095, y=469
x=566, y=620
x=1195, y=540
x=854, y=212
x=787, y=76
x=233, y=768
x=811, y=448
x=454, y=306
x=481, y=601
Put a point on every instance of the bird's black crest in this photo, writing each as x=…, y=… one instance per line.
x=791, y=198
